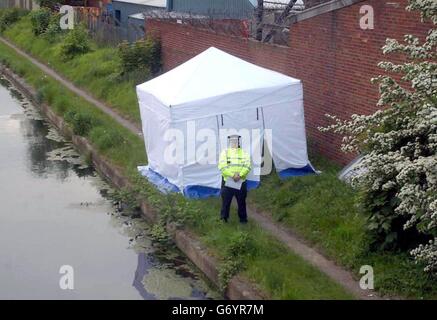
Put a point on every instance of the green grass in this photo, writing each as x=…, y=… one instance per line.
x=94, y=71
x=320, y=208
x=269, y=262
x=127, y=154
x=323, y=210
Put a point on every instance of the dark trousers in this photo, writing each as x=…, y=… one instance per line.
x=227, y=194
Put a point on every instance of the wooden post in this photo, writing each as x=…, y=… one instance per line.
x=259, y=20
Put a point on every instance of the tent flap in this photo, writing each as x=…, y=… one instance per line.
x=158, y=180
x=200, y=192
x=296, y=172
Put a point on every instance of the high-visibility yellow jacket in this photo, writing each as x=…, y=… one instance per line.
x=232, y=161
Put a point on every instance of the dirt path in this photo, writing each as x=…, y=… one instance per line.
x=312, y=256
x=284, y=235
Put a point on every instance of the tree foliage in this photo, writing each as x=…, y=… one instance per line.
x=140, y=59
x=53, y=29
x=40, y=20
x=10, y=16
x=76, y=42
x=50, y=3
x=399, y=146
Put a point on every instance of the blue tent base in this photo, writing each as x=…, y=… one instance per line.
x=165, y=186
x=296, y=172
x=202, y=192
x=252, y=184
x=161, y=183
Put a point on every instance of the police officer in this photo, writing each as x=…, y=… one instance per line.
x=234, y=164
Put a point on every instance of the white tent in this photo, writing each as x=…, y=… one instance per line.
x=188, y=112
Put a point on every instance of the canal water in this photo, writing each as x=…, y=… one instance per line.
x=61, y=236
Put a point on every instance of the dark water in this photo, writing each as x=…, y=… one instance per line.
x=55, y=211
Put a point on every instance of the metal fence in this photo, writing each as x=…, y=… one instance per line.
x=281, y=30
x=23, y=4
x=105, y=31
x=102, y=27
x=4, y=4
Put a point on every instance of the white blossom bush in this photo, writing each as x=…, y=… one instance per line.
x=399, y=146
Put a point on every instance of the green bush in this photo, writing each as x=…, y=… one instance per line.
x=61, y=104
x=105, y=138
x=153, y=48
x=159, y=234
x=81, y=122
x=10, y=16
x=49, y=3
x=140, y=59
x=53, y=29
x=40, y=20
x=45, y=93
x=76, y=42
x=240, y=245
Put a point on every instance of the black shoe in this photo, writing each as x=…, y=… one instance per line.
x=243, y=221
x=225, y=220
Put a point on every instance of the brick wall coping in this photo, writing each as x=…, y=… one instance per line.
x=321, y=9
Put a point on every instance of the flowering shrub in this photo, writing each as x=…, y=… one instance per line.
x=399, y=144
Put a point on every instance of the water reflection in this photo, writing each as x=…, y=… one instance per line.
x=57, y=211
x=161, y=272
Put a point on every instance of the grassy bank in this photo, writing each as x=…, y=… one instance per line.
x=265, y=263
x=94, y=71
x=320, y=208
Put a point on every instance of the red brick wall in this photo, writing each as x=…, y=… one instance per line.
x=330, y=53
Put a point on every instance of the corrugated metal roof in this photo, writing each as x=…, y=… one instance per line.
x=219, y=9
x=170, y=14
x=151, y=3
